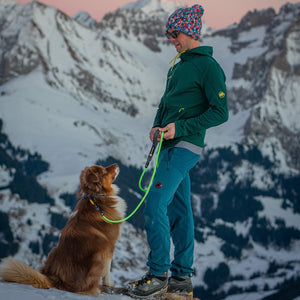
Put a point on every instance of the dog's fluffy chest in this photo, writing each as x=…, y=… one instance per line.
x=121, y=206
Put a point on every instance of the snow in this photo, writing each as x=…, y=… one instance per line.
x=5, y=176
x=230, y=133
x=293, y=56
x=38, y=214
x=13, y=291
x=74, y=136
x=281, y=100
x=8, y=2
x=85, y=19
x=249, y=296
x=272, y=149
x=222, y=49
x=260, y=178
x=16, y=17
x=153, y=6
x=273, y=209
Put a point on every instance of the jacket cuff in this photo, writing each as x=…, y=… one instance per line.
x=178, y=128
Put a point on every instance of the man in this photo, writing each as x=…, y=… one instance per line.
x=194, y=100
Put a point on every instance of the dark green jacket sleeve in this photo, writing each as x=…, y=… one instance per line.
x=214, y=88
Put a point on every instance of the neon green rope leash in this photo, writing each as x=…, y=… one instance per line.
x=140, y=186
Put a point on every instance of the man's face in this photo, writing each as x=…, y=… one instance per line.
x=182, y=42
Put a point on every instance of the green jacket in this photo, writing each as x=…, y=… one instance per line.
x=195, y=97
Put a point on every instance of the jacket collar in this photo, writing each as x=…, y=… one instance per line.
x=201, y=50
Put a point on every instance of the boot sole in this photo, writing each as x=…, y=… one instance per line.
x=152, y=296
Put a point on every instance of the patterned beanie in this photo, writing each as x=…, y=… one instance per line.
x=187, y=20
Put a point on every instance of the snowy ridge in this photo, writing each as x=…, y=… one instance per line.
x=84, y=18
x=153, y=6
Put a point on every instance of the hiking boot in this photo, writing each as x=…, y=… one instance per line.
x=149, y=285
x=180, y=285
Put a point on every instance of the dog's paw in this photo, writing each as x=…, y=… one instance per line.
x=108, y=282
x=98, y=292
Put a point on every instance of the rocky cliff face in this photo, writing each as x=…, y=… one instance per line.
x=74, y=92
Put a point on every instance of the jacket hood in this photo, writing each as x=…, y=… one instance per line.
x=202, y=50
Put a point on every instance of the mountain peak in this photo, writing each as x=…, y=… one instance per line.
x=154, y=6
x=85, y=19
x=257, y=18
x=8, y=2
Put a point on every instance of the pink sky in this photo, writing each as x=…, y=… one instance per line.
x=218, y=13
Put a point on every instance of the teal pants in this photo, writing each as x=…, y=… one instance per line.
x=168, y=213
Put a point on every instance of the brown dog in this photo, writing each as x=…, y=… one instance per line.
x=86, y=245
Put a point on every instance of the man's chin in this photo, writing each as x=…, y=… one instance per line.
x=178, y=49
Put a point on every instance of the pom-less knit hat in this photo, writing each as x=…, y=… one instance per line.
x=187, y=20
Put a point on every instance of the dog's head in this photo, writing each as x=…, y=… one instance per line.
x=97, y=180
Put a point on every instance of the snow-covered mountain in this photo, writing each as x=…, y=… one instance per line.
x=74, y=93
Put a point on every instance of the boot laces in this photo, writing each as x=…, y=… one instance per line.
x=146, y=279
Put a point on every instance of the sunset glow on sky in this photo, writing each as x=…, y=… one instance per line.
x=218, y=13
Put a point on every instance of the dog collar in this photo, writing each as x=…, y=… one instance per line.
x=96, y=206
x=92, y=201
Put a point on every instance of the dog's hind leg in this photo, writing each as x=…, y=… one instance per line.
x=91, y=283
x=106, y=275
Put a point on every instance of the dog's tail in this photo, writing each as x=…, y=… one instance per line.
x=13, y=270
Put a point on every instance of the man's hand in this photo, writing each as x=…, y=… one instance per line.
x=151, y=134
x=169, y=131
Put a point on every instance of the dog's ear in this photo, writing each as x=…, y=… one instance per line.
x=88, y=181
x=91, y=176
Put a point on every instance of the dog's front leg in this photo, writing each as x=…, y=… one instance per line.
x=106, y=276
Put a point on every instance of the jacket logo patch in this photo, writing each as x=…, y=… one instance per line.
x=221, y=94
x=181, y=109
